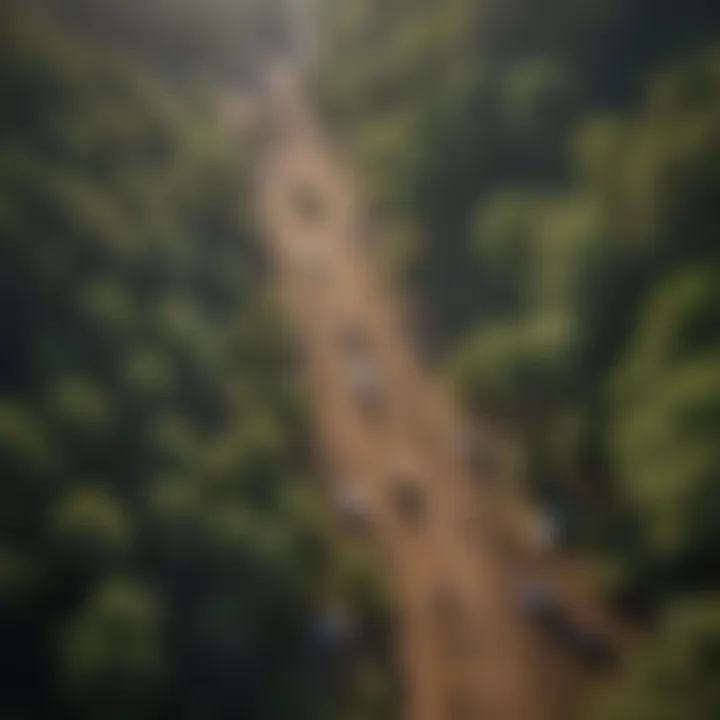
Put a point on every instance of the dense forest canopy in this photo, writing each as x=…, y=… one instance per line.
x=555, y=168
x=163, y=553
x=562, y=161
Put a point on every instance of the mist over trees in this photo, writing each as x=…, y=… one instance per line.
x=215, y=39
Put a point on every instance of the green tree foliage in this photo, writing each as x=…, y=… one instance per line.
x=664, y=413
x=162, y=553
x=111, y=652
x=562, y=161
x=673, y=677
x=449, y=105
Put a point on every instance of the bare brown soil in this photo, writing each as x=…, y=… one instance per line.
x=476, y=656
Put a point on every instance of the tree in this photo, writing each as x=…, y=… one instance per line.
x=663, y=414
x=161, y=549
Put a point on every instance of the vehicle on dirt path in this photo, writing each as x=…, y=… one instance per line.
x=540, y=602
x=585, y=640
x=544, y=532
x=353, y=508
x=475, y=449
x=408, y=495
x=592, y=645
x=366, y=385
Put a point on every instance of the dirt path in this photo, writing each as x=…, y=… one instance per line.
x=481, y=660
